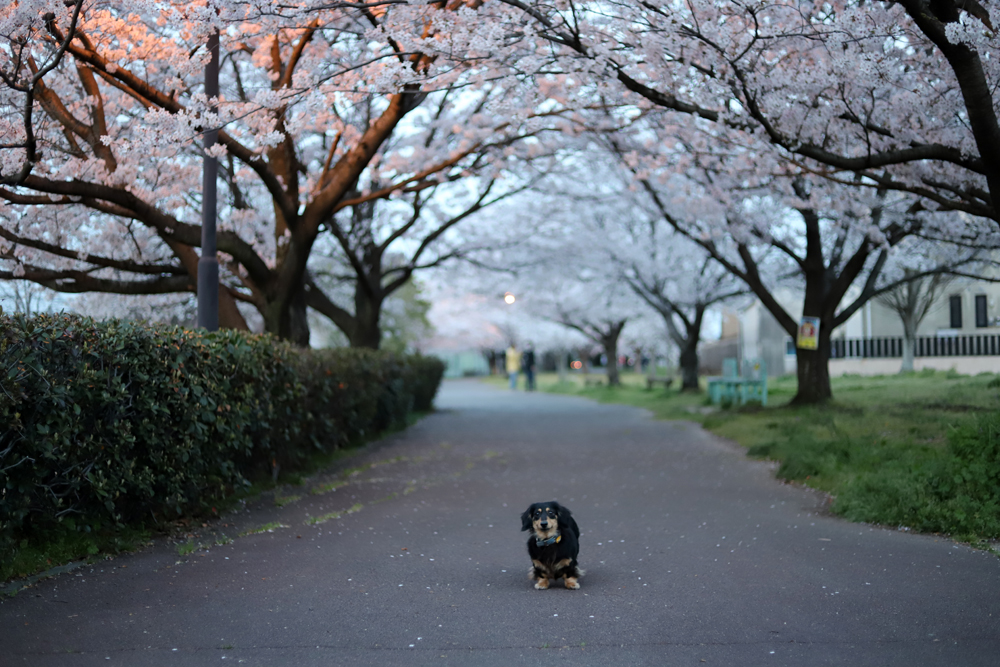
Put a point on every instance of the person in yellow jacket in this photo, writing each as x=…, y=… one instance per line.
x=513, y=364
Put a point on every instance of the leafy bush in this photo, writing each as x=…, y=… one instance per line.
x=109, y=423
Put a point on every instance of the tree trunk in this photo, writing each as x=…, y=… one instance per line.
x=294, y=326
x=611, y=351
x=813, y=369
x=610, y=343
x=689, y=365
x=230, y=316
x=367, y=314
x=286, y=318
x=909, y=344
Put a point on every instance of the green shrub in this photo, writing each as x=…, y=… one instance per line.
x=112, y=423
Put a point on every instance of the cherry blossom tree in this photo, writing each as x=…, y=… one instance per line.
x=21, y=75
x=827, y=251
x=317, y=119
x=901, y=94
x=626, y=236
x=682, y=290
x=375, y=246
x=554, y=253
x=469, y=312
x=772, y=228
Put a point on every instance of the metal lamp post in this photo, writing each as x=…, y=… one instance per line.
x=208, y=264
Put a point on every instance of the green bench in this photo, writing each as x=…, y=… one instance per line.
x=734, y=388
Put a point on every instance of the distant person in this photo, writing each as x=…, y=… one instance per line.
x=528, y=364
x=513, y=364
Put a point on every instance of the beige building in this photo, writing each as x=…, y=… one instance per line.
x=961, y=331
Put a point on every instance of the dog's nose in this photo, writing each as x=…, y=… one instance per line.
x=544, y=525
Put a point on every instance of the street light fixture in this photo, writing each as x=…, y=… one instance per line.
x=508, y=298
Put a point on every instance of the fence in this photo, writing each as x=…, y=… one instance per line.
x=976, y=345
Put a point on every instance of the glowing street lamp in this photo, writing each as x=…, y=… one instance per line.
x=508, y=298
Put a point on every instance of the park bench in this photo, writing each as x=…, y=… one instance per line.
x=652, y=381
x=733, y=388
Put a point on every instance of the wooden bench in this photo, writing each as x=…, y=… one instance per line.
x=652, y=381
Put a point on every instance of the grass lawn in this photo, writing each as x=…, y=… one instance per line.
x=920, y=451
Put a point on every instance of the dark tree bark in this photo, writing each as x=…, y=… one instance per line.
x=609, y=341
x=689, y=366
x=813, y=372
x=368, y=313
x=604, y=333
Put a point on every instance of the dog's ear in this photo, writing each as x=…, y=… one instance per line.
x=526, y=519
x=565, y=516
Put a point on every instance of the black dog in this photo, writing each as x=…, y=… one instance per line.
x=553, y=545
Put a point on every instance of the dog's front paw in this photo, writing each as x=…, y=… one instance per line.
x=542, y=584
x=572, y=584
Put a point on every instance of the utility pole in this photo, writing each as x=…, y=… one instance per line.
x=208, y=264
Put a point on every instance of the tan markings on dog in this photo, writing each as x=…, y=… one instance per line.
x=561, y=564
x=543, y=581
x=571, y=583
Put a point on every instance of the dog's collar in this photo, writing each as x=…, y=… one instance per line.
x=552, y=540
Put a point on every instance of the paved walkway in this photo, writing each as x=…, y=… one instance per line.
x=694, y=556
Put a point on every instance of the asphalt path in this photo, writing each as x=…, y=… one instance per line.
x=410, y=553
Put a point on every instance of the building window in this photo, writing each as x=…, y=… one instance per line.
x=790, y=346
x=981, y=320
x=955, y=307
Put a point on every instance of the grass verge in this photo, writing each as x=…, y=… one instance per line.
x=919, y=451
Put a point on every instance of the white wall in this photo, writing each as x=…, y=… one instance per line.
x=964, y=365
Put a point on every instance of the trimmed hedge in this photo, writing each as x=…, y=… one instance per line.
x=108, y=423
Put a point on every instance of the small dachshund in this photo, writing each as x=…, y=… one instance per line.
x=553, y=545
